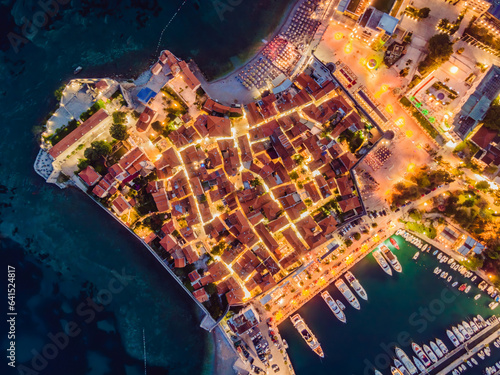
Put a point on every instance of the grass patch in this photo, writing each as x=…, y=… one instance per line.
x=419, y=117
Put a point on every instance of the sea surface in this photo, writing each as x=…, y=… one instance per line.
x=415, y=305
x=86, y=291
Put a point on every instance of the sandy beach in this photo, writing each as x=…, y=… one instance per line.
x=227, y=90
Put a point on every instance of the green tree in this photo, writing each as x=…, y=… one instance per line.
x=492, y=118
x=97, y=150
x=424, y=12
x=157, y=126
x=357, y=236
x=440, y=49
x=474, y=263
x=483, y=185
x=119, y=117
x=118, y=131
x=348, y=242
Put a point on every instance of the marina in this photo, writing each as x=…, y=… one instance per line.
x=414, y=291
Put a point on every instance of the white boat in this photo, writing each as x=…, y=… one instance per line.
x=395, y=371
x=464, y=332
x=443, y=275
x=474, y=278
x=440, y=255
x=419, y=364
x=307, y=335
x=436, y=349
x=478, y=323
x=437, y=270
x=477, y=296
x=442, y=346
x=487, y=351
x=458, y=334
x=467, y=290
x=77, y=70
x=449, y=279
x=346, y=292
x=401, y=367
x=341, y=305
x=454, y=284
x=420, y=354
x=391, y=258
x=382, y=262
x=468, y=328
x=493, y=305
x=451, y=260
x=333, y=306
x=415, y=257
x=406, y=361
x=481, y=355
x=377, y=372
x=355, y=284
x=474, y=327
x=474, y=360
x=398, y=232
x=435, y=252
x=425, y=247
x=430, y=353
x=453, y=338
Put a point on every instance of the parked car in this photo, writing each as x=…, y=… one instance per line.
x=275, y=368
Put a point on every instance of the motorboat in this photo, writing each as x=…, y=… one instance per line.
x=355, y=284
x=442, y=346
x=437, y=270
x=435, y=252
x=341, y=305
x=425, y=247
x=436, y=349
x=333, y=306
x=474, y=360
x=440, y=255
x=382, y=262
x=454, y=284
x=420, y=354
x=473, y=278
x=394, y=243
x=474, y=327
x=406, y=361
x=395, y=371
x=458, y=334
x=464, y=332
x=493, y=305
x=462, y=287
x=401, y=367
x=468, y=328
x=453, y=338
x=346, y=292
x=77, y=70
x=419, y=364
x=307, y=335
x=477, y=296
x=449, y=278
x=467, y=290
x=430, y=353
x=391, y=258
x=451, y=260
x=415, y=257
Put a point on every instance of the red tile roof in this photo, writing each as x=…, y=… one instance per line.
x=95, y=120
x=201, y=295
x=145, y=119
x=120, y=205
x=484, y=136
x=89, y=176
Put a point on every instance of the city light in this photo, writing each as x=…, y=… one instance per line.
x=453, y=69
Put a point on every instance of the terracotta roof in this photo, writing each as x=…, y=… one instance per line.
x=145, y=119
x=345, y=185
x=89, y=176
x=484, y=136
x=201, y=295
x=95, y=120
x=120, y=205
x=349, y=204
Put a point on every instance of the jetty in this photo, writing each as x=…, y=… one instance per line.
x=463, y=352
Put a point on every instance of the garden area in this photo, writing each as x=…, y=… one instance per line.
x=422, y=120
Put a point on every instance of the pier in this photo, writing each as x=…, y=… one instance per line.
x=464, y=352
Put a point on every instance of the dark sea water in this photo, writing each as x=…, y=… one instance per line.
x=78, y=271
x=415, y=305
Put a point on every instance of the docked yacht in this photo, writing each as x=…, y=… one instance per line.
x=419, y=364
x=458, y=334
x=356, y=285
x=442, y=346
x=464, y=332
x=421, y=355
x=436, y=349
x=382, y=262
x=307, y=335
x=453, y=338
x=346, y=292
x=395, y=371
x=333, y=306
x=391, y=258
x=401, y=367
x=430, y=353
x=468, y=328
x=415, y=257
x=406, y=361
